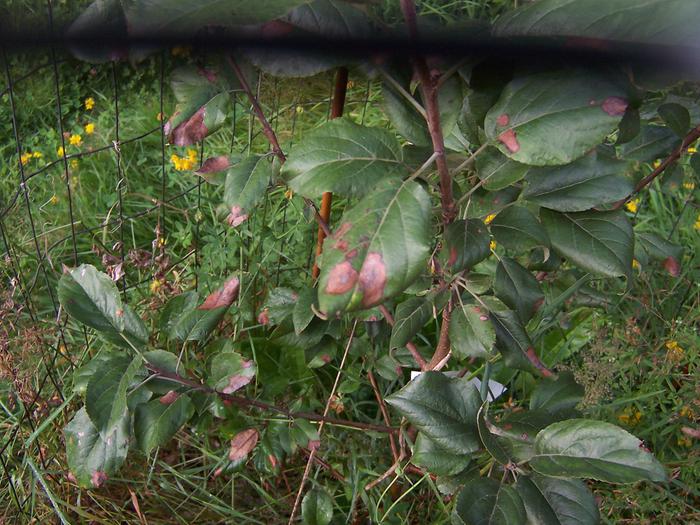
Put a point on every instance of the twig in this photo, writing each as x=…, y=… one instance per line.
x=429, y=89
x=245, y=402
x=674, y=156
x=271, y=136
x=384, y=411
x=442, y=350
x=307, y=469
x=411, y=347
x=337, y=106
x=334, y=473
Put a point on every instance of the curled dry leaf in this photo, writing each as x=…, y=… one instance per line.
x=223, y=296
x=190, y=131
x=242, y=444
x=214, y=165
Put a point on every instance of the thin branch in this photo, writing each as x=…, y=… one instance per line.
x=270, y=134
x=312, y=455
x=673, y=157
x=442, y=350
x=384, y=411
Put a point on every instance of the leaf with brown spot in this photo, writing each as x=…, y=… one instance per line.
x=213, y=170
x=246, y=184
x=193, y=122
x=243, y=444
x=230, y=372
x=223, y=297
x=387, y=242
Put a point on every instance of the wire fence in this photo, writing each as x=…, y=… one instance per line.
x=120, y=219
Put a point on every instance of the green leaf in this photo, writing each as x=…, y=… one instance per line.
x=105, y=397
x=100, y=18
x=157, y=421
x=246, y=184
x=411, y=124
x=92, y=458
x=229, y=372
x=593, y=449
x=195, y=324
x=317, y=507
x=471, y=331
x=166, y=362
x=484, y=501
x=435, y=459
x=601, y=243
x=184, y=18
x=558, y=396
x=443, y=408
x=629, y=127
x=653, y=142
x=411, y=315
x=554, y=118
x=498, y=447
x=379, y=249
x=557, y=501
x=517, y=288
x=676, y=117
x=589, y=182
x=497, y=171
x=174, y=308
x=302, y=314
x=514, y=344
x=669, y=22
x=326, y=18
x=344, y=158
x=518, y=229
x=466, y=243
x=93, y=299
x=82, y=375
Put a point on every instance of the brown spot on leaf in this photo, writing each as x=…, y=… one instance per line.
x=532, y=357
x=169, y=398
x=238, y=381
x=341, y=278
x=372, y=279
x=71, y=477
x=214, y=165
x=236, y=217
x=242, y=444
x=351, y=254
x=314, y=444
x=119, y=312
x=224, y=296
x=208, y=74
x=191, y=130
x=614, y=106
x=98, y=478
x=341, y=245
x=342, y=230
x=502, y=120
x=509, y=140
x=672, y=266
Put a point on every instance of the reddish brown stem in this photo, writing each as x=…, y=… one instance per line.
x=429, y=90
x=337, y=106
x=442, y=350
x=385, y=413
x=673, y=157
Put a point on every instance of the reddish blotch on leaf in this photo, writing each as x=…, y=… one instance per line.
x=614, y=106
x=509, y=140
x=372, y=279
x=341, y=278
x=214, y=165
x=242, y=444
x=224, y=296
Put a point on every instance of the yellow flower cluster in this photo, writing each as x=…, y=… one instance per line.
x=184, y=163
x=75, y=140
x=686, y=411
x=89, y=103
x=156, y=284
x=26, y=157
x=635, y=264
x=630, y=416
x=674, y=351
x=90, y=128
x=489, y=218
x=492, y=245
x=692, y=150
x=689, y=185
x=53, y=199
x=632, y=205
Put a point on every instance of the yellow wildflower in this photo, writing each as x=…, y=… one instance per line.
x=26, y=157
x=692, y=150
x=689, y=185
x=53, y=199
x=635, y=264
x=162, y=241
x=684, y=441
x=632, y=205
x=74, y=181
x=299, y=109
x=492, y=245
x=489, y=218
x=289, y=194
x=674, y=351
x=89, y=103
x=686, y=411
x=60, y=152
x=75, y=139
x=90, y=128
x=74, y=163
x=630, y=416
x=156, y=285
x=192, y=155
x=656, y=163
x=159, y=117
x=37, y=155
x=184, y=163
